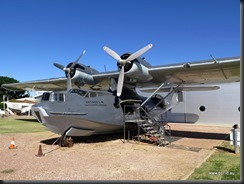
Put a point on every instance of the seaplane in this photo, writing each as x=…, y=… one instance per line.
x=22, y=106
x=87, y=102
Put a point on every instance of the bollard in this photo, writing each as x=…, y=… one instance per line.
x=235, y=138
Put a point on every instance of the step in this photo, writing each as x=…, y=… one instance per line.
x=163, y=142
x=146, y=124
x=134, y=121
x=149, y=128
x=157, y=135
x=152, y=132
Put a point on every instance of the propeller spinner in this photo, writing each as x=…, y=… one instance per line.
x=67, y=70
x=122, y=63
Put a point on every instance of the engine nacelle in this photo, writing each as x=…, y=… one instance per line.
x=138, y=73
x=82, y=78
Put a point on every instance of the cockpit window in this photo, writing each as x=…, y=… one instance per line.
x=45, y=96
x=61, y=97
x=55, y=97
x=79, y=66
x=87, y=94
x=92, y=94
x=78, y=91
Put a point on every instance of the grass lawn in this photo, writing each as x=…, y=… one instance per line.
x=224, y=164
x=20, y=125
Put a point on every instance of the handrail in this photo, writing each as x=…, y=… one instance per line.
x=174, y=89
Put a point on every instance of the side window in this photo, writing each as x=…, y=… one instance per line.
x=202, y=108
x=61, y=97
x=45, y=96
x=55, y=97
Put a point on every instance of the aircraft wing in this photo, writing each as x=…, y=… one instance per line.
x=190, y=73
x=52, y=84
x=60, y=84
x=202, y=72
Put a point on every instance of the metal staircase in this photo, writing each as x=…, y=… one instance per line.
x=149, y=129
x=152, y=123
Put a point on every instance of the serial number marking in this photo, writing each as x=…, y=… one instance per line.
x=95, y=103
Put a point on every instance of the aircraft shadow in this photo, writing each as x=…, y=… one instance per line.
x=175, y=135
x=88, y=139
x=199, y=135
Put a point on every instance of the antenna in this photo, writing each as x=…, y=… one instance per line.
x=217, y=62
x=105, y=68
x=213, y=58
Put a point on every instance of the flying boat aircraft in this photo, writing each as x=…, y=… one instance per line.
x=87, y=102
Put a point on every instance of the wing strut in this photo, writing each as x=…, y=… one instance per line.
x=217, y=62
x=153, y=93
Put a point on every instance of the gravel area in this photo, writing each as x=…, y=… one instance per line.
x=106, y=157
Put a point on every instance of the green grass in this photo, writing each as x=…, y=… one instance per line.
x=28, y=125
x=7, y=171
x=224, y=164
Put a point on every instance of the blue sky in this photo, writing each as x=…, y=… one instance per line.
x=36, y=33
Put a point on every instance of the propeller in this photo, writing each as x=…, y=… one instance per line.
x=67, y=70
x=122, y=63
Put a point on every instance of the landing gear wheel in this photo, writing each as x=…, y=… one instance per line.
x=63, y=141
x=66, y=142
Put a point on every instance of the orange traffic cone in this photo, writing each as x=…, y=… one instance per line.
x=12, y=144
x=40, y=154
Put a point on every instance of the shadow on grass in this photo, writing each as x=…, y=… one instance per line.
x=29, y=120
x=224, y=149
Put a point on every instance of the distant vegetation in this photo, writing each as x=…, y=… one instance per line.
x=10, y=94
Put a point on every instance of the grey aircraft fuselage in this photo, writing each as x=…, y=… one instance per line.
x=74, y=112
x=80, y=113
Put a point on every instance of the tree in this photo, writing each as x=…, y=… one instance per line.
x=10, y=94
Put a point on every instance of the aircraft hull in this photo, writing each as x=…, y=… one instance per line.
x=75, y=115
x=74, y=125
x=217, y=107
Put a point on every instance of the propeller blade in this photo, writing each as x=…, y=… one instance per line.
x=120, y=81
x=139, y=53
x=59, y=66
x=77, y=60
x=68, y=82
x=112, y=53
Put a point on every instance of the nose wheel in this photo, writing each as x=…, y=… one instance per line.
x=66, y=141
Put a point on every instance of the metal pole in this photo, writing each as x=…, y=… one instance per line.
x=4, y=104
x=128, y=136
x=138, y=131
x=124, y=131
x=235, y=141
